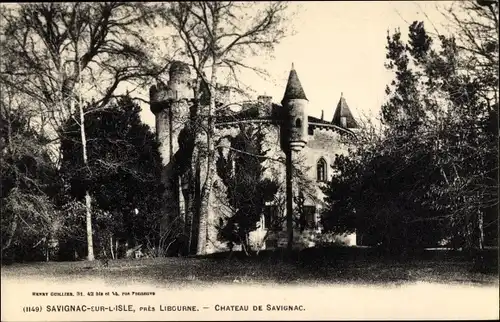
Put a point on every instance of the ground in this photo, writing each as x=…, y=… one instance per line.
x=347, y=266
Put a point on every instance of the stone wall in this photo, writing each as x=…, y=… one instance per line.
x=323, y=143
x=170, y=104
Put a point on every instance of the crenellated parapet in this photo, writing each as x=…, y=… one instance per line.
x=158, y=97
x=178, y=88
x=288, y=132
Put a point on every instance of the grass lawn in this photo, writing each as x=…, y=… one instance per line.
x=350, y=265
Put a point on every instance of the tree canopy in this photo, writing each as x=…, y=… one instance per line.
x=123, y=173
x=430, y=175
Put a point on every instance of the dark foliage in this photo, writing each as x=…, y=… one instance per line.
x=123, y=173
x=429, y=175
x=247, y=191
x=29, y=183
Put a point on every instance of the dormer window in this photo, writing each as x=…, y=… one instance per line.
x=321, y=170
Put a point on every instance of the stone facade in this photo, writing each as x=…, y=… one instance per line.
x=315, y=142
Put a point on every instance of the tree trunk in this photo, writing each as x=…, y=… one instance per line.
x=289, y=201
x=205, y=205
x=188, y=223
x=194, y=202
x=480, y=224
x=209, y=163
x=244, y=246
x=116, y=248
x=12, y=231
x=111, y=247
x=90, y=242
x=13, y=225
x=264, y=240
x=469, y=234
x=47, y=245
x=88, y=200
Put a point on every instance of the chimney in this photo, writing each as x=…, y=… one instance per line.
x=322, y=114
x=265, y=104
x=264, y=99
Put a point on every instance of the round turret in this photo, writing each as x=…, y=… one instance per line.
x=171, y=105
x=179, y=83
x=158, y=97
x=178, y=88
x=295, y=122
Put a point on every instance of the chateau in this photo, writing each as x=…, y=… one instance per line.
x=315, y=143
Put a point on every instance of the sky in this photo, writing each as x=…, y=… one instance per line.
x=337, y=47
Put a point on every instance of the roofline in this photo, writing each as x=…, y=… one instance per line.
x=267, y=120
x=230, y=123
x=332, y=126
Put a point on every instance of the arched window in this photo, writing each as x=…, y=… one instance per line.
x=298, y=123
x=321, y=170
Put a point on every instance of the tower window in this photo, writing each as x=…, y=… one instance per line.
x=298, y=123
x=321, y=170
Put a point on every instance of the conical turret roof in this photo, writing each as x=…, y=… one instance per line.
x=343, y=110
x=294, y=88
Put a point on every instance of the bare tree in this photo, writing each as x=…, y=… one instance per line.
x=58, y=54
x=26, y=174
x=476, y=25
x=216, y=37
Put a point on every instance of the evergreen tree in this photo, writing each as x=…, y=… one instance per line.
x=246, y=189
x=123, y=173
x=429, y=174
